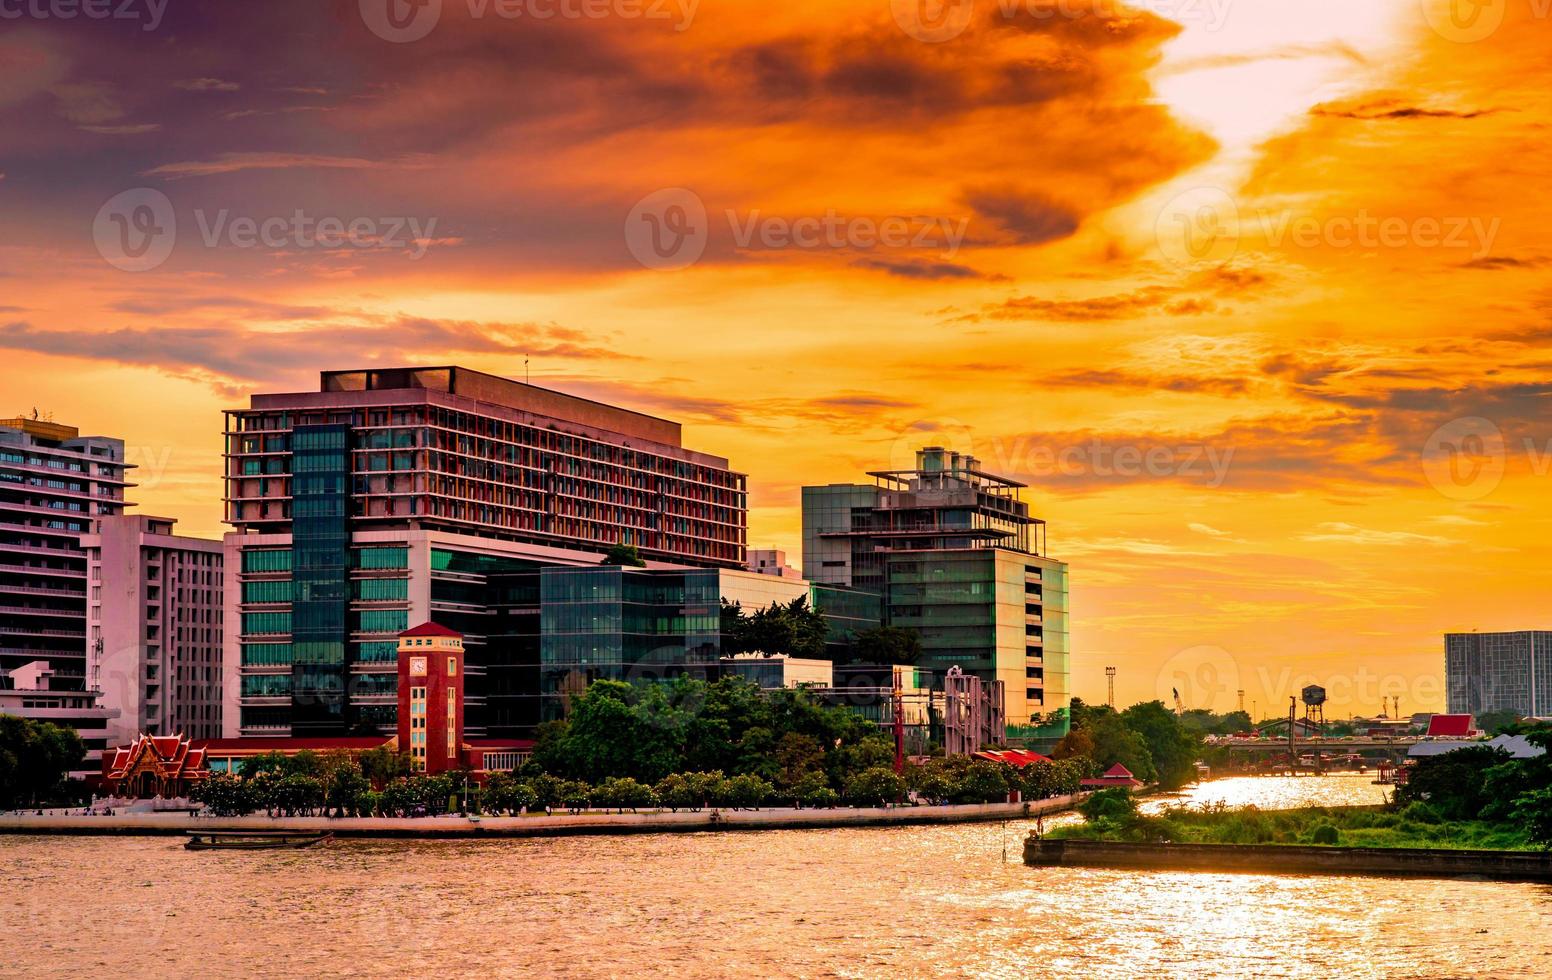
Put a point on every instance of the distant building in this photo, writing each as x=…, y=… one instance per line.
x=1498, y=672
x=955, y=555
x=53, y=484
x=772, y=561
x=775, y=673
x=154, y=621
x=33, y=695
x=431, y=697
x=402, y=495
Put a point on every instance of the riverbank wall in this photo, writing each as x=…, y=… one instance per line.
x=559, y=825
x=1291, y=859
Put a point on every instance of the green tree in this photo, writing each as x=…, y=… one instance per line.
x=36, y=757
x=1495, y=722
x=1109, y=804
x=799, y=756
x=624, y=554
x=745, y=792
x=345, y=789
x=1534, y=810
x=1172, y=748
x=575, y=795
x=887, y=645
x=382, y=765
x=623, y=793
x=226, y=795
x=1454, y=784
x=877, y=786
x=982, y=782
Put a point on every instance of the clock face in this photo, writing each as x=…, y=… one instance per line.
x=417, y=666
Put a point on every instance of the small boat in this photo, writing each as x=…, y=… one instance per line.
x=244, y=840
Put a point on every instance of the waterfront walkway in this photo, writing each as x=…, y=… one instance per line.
x=593, y=822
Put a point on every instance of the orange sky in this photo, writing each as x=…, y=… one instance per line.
x=1251, y=292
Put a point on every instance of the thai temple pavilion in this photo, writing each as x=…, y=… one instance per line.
x=167, y=766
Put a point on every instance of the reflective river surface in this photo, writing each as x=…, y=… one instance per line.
x=910, y=902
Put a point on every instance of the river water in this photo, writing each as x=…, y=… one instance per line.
x=907, y=902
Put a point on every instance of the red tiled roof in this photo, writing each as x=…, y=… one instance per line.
x=1018, y=758
x=1449, y=725
x=225, y=746
x=431, y=629
x=1119, y=770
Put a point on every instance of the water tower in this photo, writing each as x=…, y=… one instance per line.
x=1314, y=698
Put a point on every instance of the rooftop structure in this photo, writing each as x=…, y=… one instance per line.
x=956, y=556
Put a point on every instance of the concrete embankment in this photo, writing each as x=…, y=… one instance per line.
x=1279, y=858
x=654, y=822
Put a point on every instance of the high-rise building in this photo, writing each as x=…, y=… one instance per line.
x=154, y=624
x=959, y=560
x=415, y=494
x=54, y=483
x=1499, y=672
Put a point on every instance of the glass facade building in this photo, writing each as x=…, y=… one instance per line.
x=1499, y=672
x=391, y=498
x=956, y=557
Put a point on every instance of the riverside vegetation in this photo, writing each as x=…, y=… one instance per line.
x=683, y=745
x=1474, y=798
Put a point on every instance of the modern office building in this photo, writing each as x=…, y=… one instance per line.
x=1498, y=672
x=644, y=625
x=956, y=557
x=54, y=483
x=154, y=627
x=391, y=497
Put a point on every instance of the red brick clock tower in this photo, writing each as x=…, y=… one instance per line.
x=431, y=697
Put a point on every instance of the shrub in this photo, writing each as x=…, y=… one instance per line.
x=982, y=782
x=874, y=787
x=1324, y=834
x=1109, y=804
x=623, y=793
x=820, y=798
x=225, y=794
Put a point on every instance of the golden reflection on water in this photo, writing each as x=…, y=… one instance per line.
x=907, y=902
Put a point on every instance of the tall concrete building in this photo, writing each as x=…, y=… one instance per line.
x=959, y=560
x=154, y=622
x=407, y=495
x=1499, y=672
x=54, y=483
